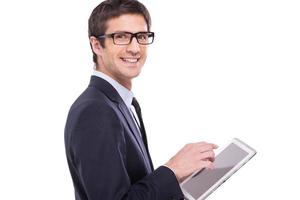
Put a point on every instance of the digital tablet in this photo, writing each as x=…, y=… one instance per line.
x=229, y=159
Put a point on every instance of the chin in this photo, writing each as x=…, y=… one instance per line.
x=133, y=75
x=133, y=70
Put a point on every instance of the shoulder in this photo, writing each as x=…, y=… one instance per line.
x=93, y=109
x=93, y=121
x=93, y=100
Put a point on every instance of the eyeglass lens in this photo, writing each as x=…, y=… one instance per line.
x=125, y=38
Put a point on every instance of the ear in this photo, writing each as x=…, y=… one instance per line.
x=96, y=46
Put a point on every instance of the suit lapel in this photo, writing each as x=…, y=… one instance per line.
x=134, y=130
x=113, y=95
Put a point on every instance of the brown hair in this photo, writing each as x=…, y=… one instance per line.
x=109, y=9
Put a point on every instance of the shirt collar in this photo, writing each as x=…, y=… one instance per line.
x=125, y=94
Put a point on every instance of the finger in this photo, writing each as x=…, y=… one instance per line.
x=206, y=164
x=205, y=143
x=207, y=147
x=200, y=143
x=208, y=155
x=210, y=159
x=214, y=146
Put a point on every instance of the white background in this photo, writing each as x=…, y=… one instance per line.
x=217, y=70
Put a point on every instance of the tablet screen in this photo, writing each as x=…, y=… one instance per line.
x=206, y=178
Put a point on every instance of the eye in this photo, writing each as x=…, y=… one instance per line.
x=143, y=36
x=121, y=36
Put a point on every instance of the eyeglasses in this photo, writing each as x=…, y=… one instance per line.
x=125, y=38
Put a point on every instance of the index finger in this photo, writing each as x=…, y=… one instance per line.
x=207, y=147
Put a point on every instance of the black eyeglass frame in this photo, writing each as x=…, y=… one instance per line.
x=111, y=35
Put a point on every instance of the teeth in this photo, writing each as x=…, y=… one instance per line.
x=131, y=60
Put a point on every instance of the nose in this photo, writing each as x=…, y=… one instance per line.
x=134, y=46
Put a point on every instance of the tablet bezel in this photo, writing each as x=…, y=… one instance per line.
x=251, y=152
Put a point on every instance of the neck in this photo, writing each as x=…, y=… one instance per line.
x=126, y=83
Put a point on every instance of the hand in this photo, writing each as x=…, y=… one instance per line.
x=192, y=157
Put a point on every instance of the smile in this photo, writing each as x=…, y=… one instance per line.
x=130, y=60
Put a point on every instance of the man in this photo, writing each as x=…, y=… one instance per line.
x=105, y=139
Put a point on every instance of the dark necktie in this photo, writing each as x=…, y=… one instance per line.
x=142, y=127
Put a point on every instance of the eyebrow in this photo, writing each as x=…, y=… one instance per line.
x=119, y=31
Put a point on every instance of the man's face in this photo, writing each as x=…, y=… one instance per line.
x=123, y=62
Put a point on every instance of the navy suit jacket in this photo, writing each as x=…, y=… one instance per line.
x=106, y=157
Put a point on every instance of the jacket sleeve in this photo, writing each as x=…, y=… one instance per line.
x=97, y=155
